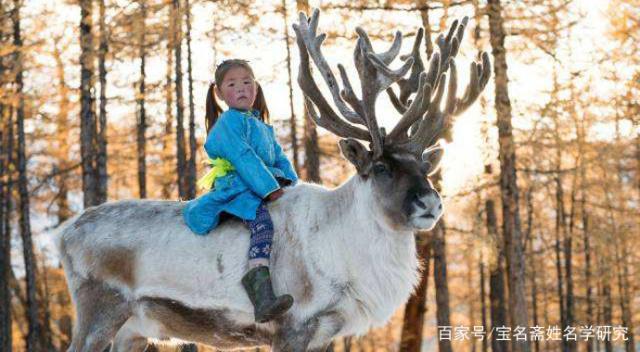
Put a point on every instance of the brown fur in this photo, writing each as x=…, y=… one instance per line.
x=101, y=311
x=115, y=264
x=210, y=326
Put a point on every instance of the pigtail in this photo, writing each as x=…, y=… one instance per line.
x=213, y=110
x=260, y=104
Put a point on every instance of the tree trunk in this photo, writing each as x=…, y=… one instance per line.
x=101, y=136
x=180, y=146
x=292, y=118
x=471, y=297
x=168, y=178
x=508, y=179
x=416, y=307
x=440, y=278
x=142, y=114
x=558, y=251
x=44, y=297
x=608, y=312
x=311, y=148
x=34, y=337
x=87, y=105
x=622, y=272
x=192, y=170
x=534, y=291
x=496, y=281
x=568, y=267
x=62, y=136
x=588, y=321
x=5, y=234
x=483, y=304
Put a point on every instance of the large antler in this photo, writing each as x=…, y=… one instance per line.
x=423, y=114
x=373, y=71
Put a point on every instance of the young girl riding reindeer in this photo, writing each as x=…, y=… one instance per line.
x=249, y=170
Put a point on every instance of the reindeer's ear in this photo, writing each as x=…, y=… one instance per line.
x=356, y=153
x=431, y=159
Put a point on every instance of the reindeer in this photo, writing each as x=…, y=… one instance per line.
x=347, y=255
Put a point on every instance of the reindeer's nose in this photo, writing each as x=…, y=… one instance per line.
x=428, y=204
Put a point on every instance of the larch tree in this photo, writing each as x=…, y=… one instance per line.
x=293, y=129
x=508, y=180
x=5, y=236
x=5, y=191
x=176, y=39
x=101, y=125
x=34, y=336
x=191, y=167
x=141, y=125
x=87, y=104
x=310, y=135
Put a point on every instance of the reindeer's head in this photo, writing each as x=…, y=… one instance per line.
x=396, y=165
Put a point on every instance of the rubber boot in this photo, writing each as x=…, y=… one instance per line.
x=257, y=283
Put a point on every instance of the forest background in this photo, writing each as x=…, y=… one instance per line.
x=103, y=100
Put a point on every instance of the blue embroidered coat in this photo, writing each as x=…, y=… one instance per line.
x=252, y=148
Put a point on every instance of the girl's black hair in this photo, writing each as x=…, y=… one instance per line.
x=213, y=109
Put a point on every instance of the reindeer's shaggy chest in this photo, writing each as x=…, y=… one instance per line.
x=377, y=287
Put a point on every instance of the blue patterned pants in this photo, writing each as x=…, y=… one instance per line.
x=261, y=237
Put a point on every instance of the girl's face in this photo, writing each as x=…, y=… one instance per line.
x=238, y=89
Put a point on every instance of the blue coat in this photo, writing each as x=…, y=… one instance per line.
x=252, y=148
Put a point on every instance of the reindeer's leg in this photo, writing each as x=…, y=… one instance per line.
x=128, y=339
x=100, y=311
x=328, y=325
x=315, y=334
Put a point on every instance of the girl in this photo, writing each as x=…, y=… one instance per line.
x=249, y=169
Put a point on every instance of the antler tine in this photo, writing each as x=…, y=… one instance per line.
x=375, y=76
x=399, y=132
x=388, y=56
x=429, y=122
x=478, y=80
x=410, y=85
x=347, y=93
x=307, y=29
x=432, y=126
x=383, y=76
x=415, y=110
x=328, y=118
x=438, y=64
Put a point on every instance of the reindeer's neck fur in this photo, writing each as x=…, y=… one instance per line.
x=347, y=243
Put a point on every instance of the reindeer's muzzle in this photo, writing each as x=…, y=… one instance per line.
x=426, y=209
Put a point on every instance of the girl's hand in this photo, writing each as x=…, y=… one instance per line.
x=275, y=195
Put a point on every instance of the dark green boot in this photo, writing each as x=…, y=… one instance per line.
x=257, y=283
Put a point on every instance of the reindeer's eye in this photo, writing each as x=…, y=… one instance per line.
x=380, y=169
